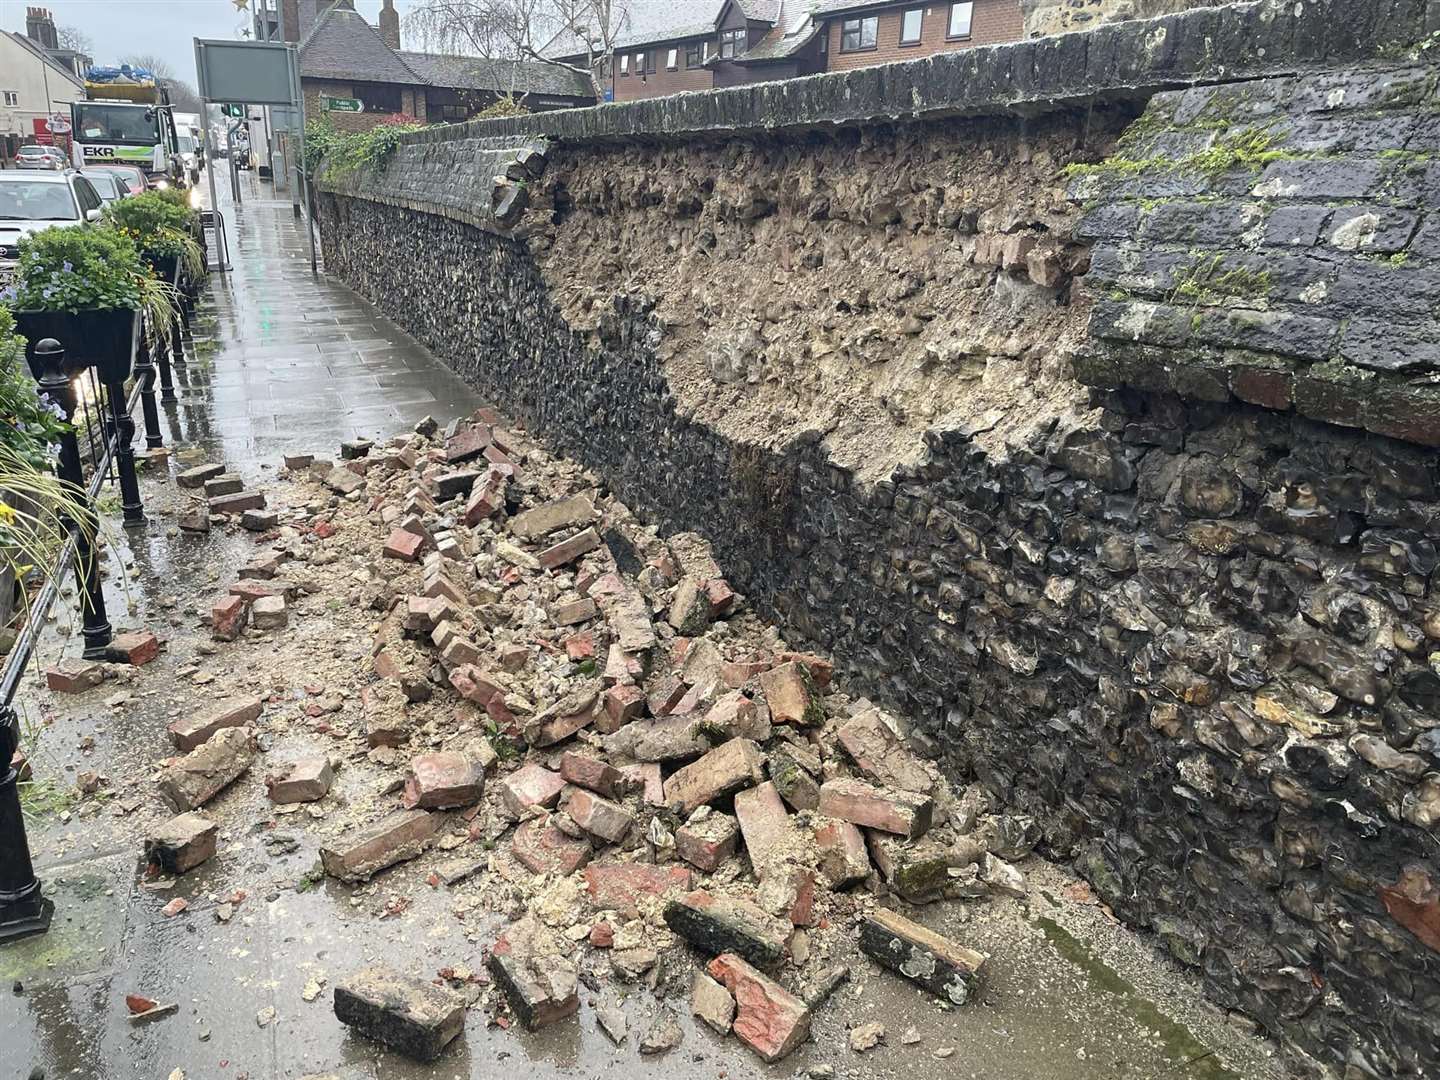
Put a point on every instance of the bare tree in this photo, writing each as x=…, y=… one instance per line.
x=156, y=65
x=182, y=94
x=75, y=39
x=521, y=29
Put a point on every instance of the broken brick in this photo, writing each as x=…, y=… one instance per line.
x=843, y=858
x=576, y=611
x=768, y=1018
x=196, y=476
x=575, y=511
x=224, y=484
x=567, y=551
x=190, y=732
x=689, y=610
x=719, y=924
x=137, y=647
x=269, y=613
x=543, y=849
x=592, y=773
x=227, y=618
x=646, y=776
x=878, y=753
x=665, y=693
x=619, y=886
x=538, y=980
x=794, y=778
x=468, y=442
x=182, y=843
x=821, y=671
x=726, y=769
x=622, y=704
x=237, y=503
x=564, y=718
x=901, y=812
x=207, y=770
x=530, y=785
x=74, y=676
x=443, y=779
x=359, y=855
x=403, y=545
x=712, y=1003
x=707, y=840
x=720, y=595
x=305, y=780
x=765, y=825
x=918, y=871
x=948, y=970
x=599, y=817
x=790, y=693
x=409, y=1015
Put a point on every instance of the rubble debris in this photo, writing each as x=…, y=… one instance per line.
x=729, y=767
x=712, y=1003
x=135, y=647
x=768, y=1018
x=663, y=1034
x=539, y=981
x=843, y=858
x=722, y=924
x=227, y=617
x=790, y=693
x=531, y=785
x=619, y=886
x=409, y=1015
x=866, y=1036
x=542, y=848
x=74, y=676
x=181, y=843
x=575, y=511
x=901, y=812
x=208, y=769
x=189, y=732
x=707, y=839
x=442, y=780
x=305, y=780
x=611, y=1016
x=948, y=970
x=358, y=856
x=601, y=818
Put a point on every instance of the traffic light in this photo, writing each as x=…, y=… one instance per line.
x=236, y=111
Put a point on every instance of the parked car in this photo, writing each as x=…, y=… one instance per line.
x=107, y=185
x=39, y=157
x=33, y=201
x=133, y=175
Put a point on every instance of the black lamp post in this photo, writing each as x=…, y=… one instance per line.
x=23, y=910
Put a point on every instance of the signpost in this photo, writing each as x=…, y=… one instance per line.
x=341, y=104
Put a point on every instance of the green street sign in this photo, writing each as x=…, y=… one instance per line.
x=341, y=104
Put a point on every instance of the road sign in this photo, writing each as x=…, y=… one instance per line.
x=341, y=104
x=58, y=125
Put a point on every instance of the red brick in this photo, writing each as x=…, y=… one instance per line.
x=707, y=842
x=622, y=704
x=576, y=611
x=189, y=732
x=441, y=780
x=403, y=545
x=474, y=685
x=821, y=670
x=726, y=769
x=765, y=824
x=737, y=673
x=358, y=855
x=768, y=1018
x=790, y=693
x=601, y=818
x=878, y=753
x=74, y=676
x=137, y=647
x=530, y=785
x=721, y=596
x=567, y=551
x=227, y=618
x=593, y=774
x=664, y=694
x=618, y=886
x=900, y=812
x=844, y=859
x=305, y=780
x=250, y=590
x=182, y=843
x=544, y=849
x=646, y=776
x=580, y=646
x=470, y=441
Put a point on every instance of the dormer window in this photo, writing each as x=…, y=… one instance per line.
x=732, y=44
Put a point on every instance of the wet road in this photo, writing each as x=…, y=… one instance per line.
x=287, y=362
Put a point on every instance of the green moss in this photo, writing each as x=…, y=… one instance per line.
x=1248, y=148
x=1400, y=258
x=1205, y=283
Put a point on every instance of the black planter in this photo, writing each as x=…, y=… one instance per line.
x=165, y=267
x=101, y=339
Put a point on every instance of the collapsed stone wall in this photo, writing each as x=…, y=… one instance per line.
x=1189, y=634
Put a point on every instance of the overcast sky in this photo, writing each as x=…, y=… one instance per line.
x=163, y=27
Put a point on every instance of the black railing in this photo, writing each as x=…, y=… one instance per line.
x=105, y=415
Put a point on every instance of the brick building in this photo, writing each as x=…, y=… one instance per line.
x=666, y=46
x=344, y=59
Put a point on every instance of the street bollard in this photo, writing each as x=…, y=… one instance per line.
x=122, y=425
x=23, y=909
x=95, y=625
x=145, y=376
x=167, y=378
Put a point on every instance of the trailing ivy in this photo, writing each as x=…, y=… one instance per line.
x=344, y=153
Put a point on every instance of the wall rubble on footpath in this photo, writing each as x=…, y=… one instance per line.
x=1190, y=634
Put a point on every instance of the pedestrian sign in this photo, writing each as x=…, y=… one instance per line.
x=341, y=104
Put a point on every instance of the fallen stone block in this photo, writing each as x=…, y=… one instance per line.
x=196, y=476
x=538, y=979
x=876, y=750
x=207, y=770
x=353, y=449
x=259, y=520
x=844, y=860
x=567, y=551
x=237, y=503
x=196, y=519
x=791, y=695
x=530, y=785
x=443, y=779
x=74, y=676
x=901, y=812
x=707, y=839
x=946, y=969
x=227, y=618
x=292, y=462
x=622, y=704
x=190, y=732
x=343, y=481
x=619, y=886
x=768, y=1018
x=224, y=484
x=182, y=843
x=269, y=613
x=403, y=545
x=412, y=1016
x=672, y=738
x=135, y=647
x=916, y=870
x=720, y=924
x=573, y=512
x=543, y=849
x=723, y=771
x=712, y=1003
x=599, y=817
x=593, y=774
x=689, y=611
x=793, y=772
x=305, y=780
x=358, y=856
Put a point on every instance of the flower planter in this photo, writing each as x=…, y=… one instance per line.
x=100, y=338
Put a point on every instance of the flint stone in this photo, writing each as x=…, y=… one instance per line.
x=717, y=924
x=208, y=769
x=409, y=1015
x=394, y=838
x=948, y=970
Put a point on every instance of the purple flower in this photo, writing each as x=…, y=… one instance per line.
x=67, y=266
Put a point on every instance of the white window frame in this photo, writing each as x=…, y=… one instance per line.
x=919, y=13
x=672, y=60
x=968, y=7
x=12, y=99
x=624, y=63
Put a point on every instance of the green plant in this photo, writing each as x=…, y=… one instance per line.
x=159, y=228
x=1204, y=282
x=1249, y=148
x=338, y=153
x=505, y=106
x=29, y=425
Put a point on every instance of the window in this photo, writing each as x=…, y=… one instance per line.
x=86, y=194
x=693, y=56
x=732, y=43
x=857, y=35
x=625, y=64
x=910, y=23
x=12, y=97
x=650, y=61
x=672, y=60
x=960, y=20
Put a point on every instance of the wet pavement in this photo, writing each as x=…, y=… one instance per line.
x=287, y=362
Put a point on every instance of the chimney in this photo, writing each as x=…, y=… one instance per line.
x=40, y=28
x=390, y=25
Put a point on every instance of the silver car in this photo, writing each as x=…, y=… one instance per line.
x=39, y=157
x=31, y=201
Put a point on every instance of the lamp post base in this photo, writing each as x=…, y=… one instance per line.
x=25, y=919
